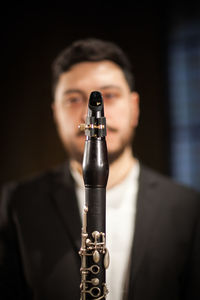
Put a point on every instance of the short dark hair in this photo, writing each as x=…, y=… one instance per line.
x=92, y=50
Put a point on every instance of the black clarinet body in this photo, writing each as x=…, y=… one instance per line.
x=93, y=252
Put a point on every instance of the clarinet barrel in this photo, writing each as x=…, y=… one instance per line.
x=93, y=252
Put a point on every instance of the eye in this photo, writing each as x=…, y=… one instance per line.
x=73, y=100
x=110, y=96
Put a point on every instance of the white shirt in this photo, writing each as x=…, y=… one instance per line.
x=120, y=221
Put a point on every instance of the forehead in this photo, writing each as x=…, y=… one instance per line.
x=95, y=74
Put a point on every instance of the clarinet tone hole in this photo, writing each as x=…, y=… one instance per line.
x=95, y=292
x=95, y=269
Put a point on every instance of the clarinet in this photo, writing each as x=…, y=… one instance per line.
x=93, y=251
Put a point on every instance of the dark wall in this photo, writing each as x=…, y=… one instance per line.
x=32, y=37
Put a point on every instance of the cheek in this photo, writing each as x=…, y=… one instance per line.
x=119, y=117
x=65, y=122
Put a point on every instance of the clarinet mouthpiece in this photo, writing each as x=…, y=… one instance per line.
x=96, y=101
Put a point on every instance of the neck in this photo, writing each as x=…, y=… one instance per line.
x=118, y=170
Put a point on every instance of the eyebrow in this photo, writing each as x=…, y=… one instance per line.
x=110, y=86
x=69, y=91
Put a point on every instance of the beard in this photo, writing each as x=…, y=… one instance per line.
x=76, y=153
x=115, y=155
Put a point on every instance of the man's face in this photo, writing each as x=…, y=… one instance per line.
x=71, y=101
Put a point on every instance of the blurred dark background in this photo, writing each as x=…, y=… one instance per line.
x=33, y=34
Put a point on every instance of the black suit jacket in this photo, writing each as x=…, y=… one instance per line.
x=40, y=239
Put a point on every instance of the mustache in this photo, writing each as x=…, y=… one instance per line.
x=108, y=127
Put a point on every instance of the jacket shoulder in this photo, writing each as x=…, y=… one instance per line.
x=166, y=185
x=16, y=193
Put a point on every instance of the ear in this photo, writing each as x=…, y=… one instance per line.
x=135, y=110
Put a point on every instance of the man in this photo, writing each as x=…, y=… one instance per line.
x=153, y=225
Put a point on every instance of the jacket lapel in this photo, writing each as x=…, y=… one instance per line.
x=144, y=223
x=66, y=204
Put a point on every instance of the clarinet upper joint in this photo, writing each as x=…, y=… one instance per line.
x=93, y=251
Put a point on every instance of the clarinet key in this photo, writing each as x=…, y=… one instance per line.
x=94, y=269
x=106, y=259
x=93, y=281
x=96, y=256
